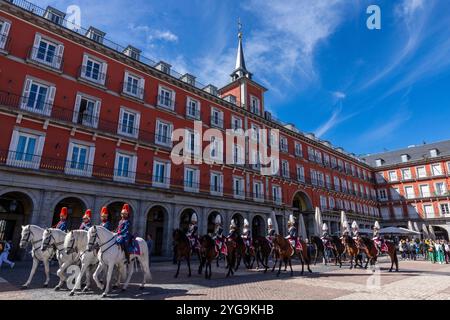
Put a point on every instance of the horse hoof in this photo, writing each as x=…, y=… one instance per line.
x=123, y=290
x=114, y=287
x=104, y=295
x=45, y=285
x=141, y=287
x=84, y=289
x=57, y=288
x=24, y=287
x=71, y=293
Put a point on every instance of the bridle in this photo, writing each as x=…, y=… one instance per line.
x=46, y=242
x=93, y=239
x=27, y=240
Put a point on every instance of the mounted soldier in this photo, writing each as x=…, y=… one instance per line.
x=355, y=230
x=247, y=236
x=292, y=232
x=62, y=223
x=377, y=239
x=86, y=223
x=233, y=230
x=192, y=233
x=219, y=237
x=346, y=231
x=104, y=217
x=270, y=230
x=123, y=231
x=325, y=236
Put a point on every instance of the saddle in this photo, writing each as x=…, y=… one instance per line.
x=221, y=247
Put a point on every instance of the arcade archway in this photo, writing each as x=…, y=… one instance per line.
x=156, y=223
x=185, y=219
x=302, y=205
x=239, y=220
x=212, y=222
x=258, y=227
x=114, y=210
x=75, y=210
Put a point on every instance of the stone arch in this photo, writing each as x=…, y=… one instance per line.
x=16, y=208
x=211, y=220
x=239, y=220
x=114, y=207
x=258, y=226
x=157, y=219
x=185, y=218
x=302, y=204
x=440, y=232
x=76, y=207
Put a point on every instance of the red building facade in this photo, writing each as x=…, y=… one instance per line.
x=86, y=123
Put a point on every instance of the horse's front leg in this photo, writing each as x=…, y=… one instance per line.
x=290, y=265
x=130, y=271
x=351, y=261
x=108, y=279
x=178, y=269
x=61, y=274
x=96, y=276
x=188, y=260
x=78, y=280
x=33, y=271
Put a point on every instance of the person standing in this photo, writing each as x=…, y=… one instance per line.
x=4, y=254
x=150, y=247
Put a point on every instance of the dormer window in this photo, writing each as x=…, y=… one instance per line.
x=405, y=157
x=434, y=153
x=230, y=98
x=379, y=162
x=95, y=34
x=163, y=67
x=211, y=89
x=54, y=15
x=132, y=52
x=188, y=78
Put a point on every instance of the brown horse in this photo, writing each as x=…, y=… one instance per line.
x=371, y=251
x=319, y=248
x=353, y=251
x=231, y=244
x=262, y=251
x=242, y=254
x=207, y=254
x=182, y=249
x=338, y=250
x=284, y=252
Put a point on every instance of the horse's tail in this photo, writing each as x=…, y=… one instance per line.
x=144, y=259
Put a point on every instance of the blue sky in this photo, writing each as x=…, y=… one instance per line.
x=364, y=90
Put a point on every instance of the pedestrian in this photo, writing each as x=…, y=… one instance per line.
x=439, y=252
x=5, y=247
x=446, y=251
x=150, y=247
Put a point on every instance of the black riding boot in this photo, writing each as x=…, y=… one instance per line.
x=127, y=254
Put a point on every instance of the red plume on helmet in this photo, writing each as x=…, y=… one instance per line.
x=125, y=209
x=104, y=212
x=87, y=214
x=63, y=212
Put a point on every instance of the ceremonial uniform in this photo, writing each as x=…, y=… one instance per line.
x=62, y=223
x=219, y=238
x=379, y=242
x=123, y=231
x=355, y=230
x=86, y=224
x=233, y=230
x=247, y=235
x=104, y=219
x=192, y=233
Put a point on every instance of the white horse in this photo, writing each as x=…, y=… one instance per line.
x=76, y=242
x=54, y=238
x=33, y=234
x=110, y=254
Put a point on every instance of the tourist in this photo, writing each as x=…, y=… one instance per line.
x=5, y=247
x=446, y=251
x=150, y=247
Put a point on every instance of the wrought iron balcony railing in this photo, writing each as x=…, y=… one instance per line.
x=46, y=57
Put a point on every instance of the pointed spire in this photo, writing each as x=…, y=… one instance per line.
x=240, y=69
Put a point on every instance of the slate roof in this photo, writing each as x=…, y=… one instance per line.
x=415, y=153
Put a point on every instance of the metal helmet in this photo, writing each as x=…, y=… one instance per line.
x=324, y=227
x=269, y=222
x=355, y=225
x=194, y=218
x=218, y=219
x=232, y=224
x=377, y=225
x=246, y=224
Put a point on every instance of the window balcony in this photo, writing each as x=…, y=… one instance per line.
x=163, y=140
x=192, y=113
x=216, y=122
x=45, y=58
x=78, y=168
x=36, y=105
x=160, y=181
x=93, y=76
x=5, y=42
x=132, y=90
x=86, y=119
x=23, y=160
x=165, y=102
x=125, y=176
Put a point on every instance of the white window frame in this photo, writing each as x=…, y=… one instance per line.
x=430, y=214
x=219, y=117
x=444, y=212
x=255, y=109
x=96, y=112
x=137, y=121
x=49, y=98
x=218, y=192
x=284, y=145
x=89, y=161
x=158, y=135
x=40, y=141
x=424, y=194
x=298, y=151
x=140, y=85
x=407, y=176
x=440, y=171
x=132, y=166
x=285, y=168
x=196, y=179
x=102, y=71
x=258, y=197
x=58, y=55
x=190, y=100
x=235, y=119
x=410, y=195
x=276, y=194
x=300, y=173
x=171, y=105
x=4, y=33
x=393, y=175
x=445, y=191
x=166, y=178
x=418, y=172
x=241, y=194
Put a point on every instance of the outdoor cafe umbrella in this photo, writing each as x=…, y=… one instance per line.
x=394, y=230
x=416, y=227
x=410, y=231
x=343, y=220
x=410, y=225
x=302, y=227
x=274, y=219
x=318, y=221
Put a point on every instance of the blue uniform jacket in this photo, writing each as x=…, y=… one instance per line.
x=123, y=231
x=106, y=225
x=85, y=226
x=62, y=225
x=293, y=232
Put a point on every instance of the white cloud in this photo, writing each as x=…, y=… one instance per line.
x=339, y=95
x=164, y=35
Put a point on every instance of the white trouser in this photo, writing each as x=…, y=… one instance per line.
x=4, y=258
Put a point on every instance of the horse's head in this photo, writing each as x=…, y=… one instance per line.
x=69, y=242
x=92, y=238
x=47, y=239
x=25, y=236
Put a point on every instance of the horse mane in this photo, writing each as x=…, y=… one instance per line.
x=209, y=240
x=183, y=236
x=367, y=242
